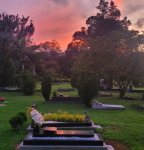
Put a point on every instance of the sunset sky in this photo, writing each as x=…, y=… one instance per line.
x=59, y=19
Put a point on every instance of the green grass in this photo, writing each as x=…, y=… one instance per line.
x=129, y=122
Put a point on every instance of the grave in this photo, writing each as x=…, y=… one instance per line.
x=64, y=98
x=53, y=139
x=128, y=98
x=68, y=126
x=98, y=105
x=105, y=95
x=63, y=90
x=74, y=136
x=2, y=104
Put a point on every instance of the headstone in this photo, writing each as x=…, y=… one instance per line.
x=97, y=105
x=102, y=83
x=54, y=94
x=2, y=104
x=63, y=90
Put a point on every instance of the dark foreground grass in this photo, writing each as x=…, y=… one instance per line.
x=126, y=126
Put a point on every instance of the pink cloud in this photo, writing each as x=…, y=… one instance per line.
x=59, y=19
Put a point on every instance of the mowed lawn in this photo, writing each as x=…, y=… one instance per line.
x=125, y=126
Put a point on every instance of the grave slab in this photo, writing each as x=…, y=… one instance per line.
x=92, y=127
x=60, y=147
x=63, y=90
x=2, y=104
x=97, y=105
x=64, y=143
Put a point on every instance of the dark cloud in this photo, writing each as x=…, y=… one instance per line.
x=139, y=23
x=61, y=2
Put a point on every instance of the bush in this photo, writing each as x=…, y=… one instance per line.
x=28, y=84
x=23, y=116
x=87, y=85
x=46, y=87
x=18, y=120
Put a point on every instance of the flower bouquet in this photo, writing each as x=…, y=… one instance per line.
x=37, y=120
x=2, y=99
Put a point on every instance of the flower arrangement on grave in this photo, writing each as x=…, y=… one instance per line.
x=2, y=99
x=64, y=116
x=35, y=116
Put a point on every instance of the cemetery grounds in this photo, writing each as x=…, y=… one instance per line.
x=123, y=129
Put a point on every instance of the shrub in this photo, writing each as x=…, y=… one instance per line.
x=23, y=116
x=18, y=120
x=46, y=87
x=87, y=85
x=28, y=84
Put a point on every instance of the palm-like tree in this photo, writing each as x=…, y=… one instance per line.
x=19, y=50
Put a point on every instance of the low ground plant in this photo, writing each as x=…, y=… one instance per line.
x=64, y=116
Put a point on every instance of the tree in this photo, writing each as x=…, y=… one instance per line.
x=16, y=26
x=85, y=77
x=19, y=51
x=119, y=55
x=34, y=57
x=78, y=43
x=88, y=86
x=7, y=68
x=52, y=48
x=106, y=21
x=46, y=87
x=28, y=83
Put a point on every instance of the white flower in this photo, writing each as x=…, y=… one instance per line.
x=37, y=117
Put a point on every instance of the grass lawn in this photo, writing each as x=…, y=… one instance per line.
x=126, y=126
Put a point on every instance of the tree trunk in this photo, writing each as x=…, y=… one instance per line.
x=34, y=71
x=88, y=104
x=22, y=66
x=111, y=82
x=122, y=93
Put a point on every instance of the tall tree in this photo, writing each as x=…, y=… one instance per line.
x=16, y=26
x=7, y=68
x=19, y=51
x=106, y=21
x=119, y=55
x=50, y=46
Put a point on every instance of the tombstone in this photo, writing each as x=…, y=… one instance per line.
x=98, y=105
x=2, y=104
x=51, y=138
x=54, y=94
x=102, y=83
